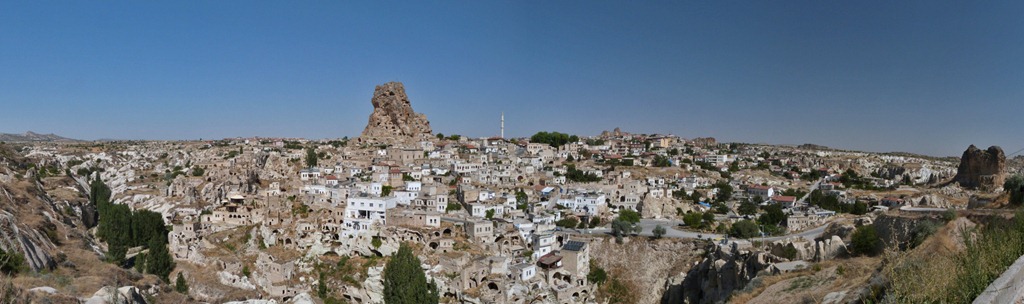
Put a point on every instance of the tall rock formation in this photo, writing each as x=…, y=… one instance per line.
x=393, y=117
x=984, y=169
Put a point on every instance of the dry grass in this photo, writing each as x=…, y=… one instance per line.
x=812, y=284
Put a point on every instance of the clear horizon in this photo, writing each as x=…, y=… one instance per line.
x=919, y=77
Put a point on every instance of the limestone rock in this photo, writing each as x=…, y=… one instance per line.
x=393, y=117
x=985, y=169
x=111, y=295
x=828, y=249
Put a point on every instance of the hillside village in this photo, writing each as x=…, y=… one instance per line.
x=544, y=219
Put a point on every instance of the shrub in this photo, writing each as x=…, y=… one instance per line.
x=692, y=219
x=949, y=215
x=567, y=223
x=921, y=232
x=1015, y=186
x=12, y=263
x=658, y=231
x=597, y=275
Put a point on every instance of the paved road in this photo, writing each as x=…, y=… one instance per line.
x=671, y=231
x=803, y=200
x=922, y=209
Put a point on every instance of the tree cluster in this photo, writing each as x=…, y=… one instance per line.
x=661, y=161
x=831, y=202
x=122, y=228
x=555, y=139
x=575, y=175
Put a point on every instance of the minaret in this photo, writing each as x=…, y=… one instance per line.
x=503, y=125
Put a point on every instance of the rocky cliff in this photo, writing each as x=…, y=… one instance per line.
x=984, y=169
x=393, y=117
x=724, y=270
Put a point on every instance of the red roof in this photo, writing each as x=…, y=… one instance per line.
x=784, y=198
x=549, y=260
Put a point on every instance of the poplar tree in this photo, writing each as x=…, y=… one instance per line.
x=405, y=282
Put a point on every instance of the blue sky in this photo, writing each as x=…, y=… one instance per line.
x=928, y=77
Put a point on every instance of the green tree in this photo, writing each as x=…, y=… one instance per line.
x=724, y=191
x=522, y=201
x=595, y=222
x=140, y=263
x=180, y=285
x=115, y=228
x=708, y=217
x=692, y=219
x=661, y=161
x=629, y=216
x=440, y=135
x=404, y=280
x=198, y=171
x=620, y=228
x=489, y=214
x=311, y=159
x=747, y=208
x=744, y=229
x=1015, y=186
x=773, y=215
x=859, y=208
x=159, y=261
x=865, y=241
x=658, y=231
x=147, y=225
x=385, y=191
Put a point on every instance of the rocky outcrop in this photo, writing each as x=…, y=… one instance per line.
x=393, y=117
x=981, y=169
x=803, y=249
x=30, y=243
x=724, y=270
x=111, y=295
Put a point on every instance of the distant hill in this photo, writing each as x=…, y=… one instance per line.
x=33, y=137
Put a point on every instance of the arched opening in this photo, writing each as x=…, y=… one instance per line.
x=433, y=245
x=492, y=286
